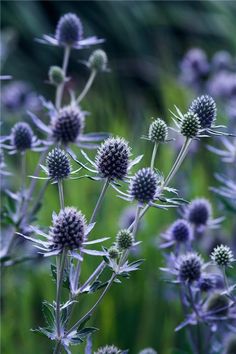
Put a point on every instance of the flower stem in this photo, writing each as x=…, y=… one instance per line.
x=87, y=86
x=60, y=88
x=61, y=194
x=90, y=312
x=178, y=161
x=60, y=270
x=23, y=171
x=154, y=152
x=100, y=199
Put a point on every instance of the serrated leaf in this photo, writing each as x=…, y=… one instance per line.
x=86, y=331
x=49, y=314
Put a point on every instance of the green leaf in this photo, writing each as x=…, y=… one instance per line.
x=49, y=314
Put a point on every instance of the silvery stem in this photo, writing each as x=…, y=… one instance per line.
x=87, y=86
x=154, y=152
x=60, y=88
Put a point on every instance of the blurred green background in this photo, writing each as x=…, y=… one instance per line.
x=145, y=41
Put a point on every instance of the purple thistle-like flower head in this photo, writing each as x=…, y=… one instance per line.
x=198, y=212
x=112, y=159
x=143, y=185
x=69, y=30
x=205, y=108
x=58, y=164
x=108, y=349
x=207, y=282
x=68, y=229
x=181, y=231
x=222, y=60
x=68, y=125
x=21, y=136
x=189, y=267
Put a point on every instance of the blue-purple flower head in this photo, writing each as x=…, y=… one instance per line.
x=108, y=349
x=68, y=229
x=194, y=67
x=68, y=124
x=58, y=164
x=69, y=33
x=69, y=29
x=180, y=232
x=207, y=282
x=199, y=214
x=205, y=108
x=22, y=136
x=189, y=267
x=112, y=159
x=143, y=185
x=222, y=60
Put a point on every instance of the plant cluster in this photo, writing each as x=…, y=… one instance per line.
x=207, y=299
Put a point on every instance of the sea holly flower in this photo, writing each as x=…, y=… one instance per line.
x=208, y=282
x=228, y=152
x=21, y=139
x=112, y=160
x=222, y=256
x=180, y=232
x=158, y=132
x=67, y=126
x=98, y=60
x=69, y=231
x=205, y=108
x=57, y=167
x=109, y=349
x=69, y=32
x=147, y=187
x=199, y=214
x=189, y=267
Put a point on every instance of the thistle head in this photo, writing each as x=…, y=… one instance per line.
x=205, y=108
x=22, y=136
x=58, y=164
x=124, y=239
x=69, y=30
x=218, y=304
x=68, y=229
x=207, y=282
x=222, y=256
x=189, y=267
x=56, y=75
x=108, y=349
x=112, y=158
x=68, y=125
x=199, y=212
x=230, y=347
x=190, y=125
x=143, y=185
x=148, y=351
x=181, y=231
x=98, y=60
x=113, y=252
x=158, y=131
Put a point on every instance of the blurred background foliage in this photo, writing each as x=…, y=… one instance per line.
x=145, y=41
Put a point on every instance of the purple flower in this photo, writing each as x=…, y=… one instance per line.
x=69, y=32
